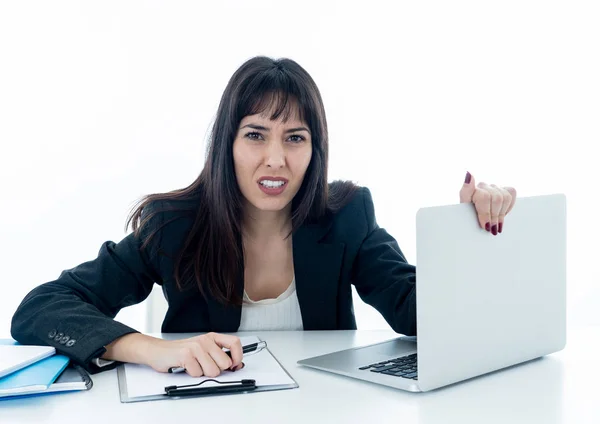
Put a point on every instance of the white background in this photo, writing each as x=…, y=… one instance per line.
x=104, y=102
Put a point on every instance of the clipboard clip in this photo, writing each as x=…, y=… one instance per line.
x=225, y=387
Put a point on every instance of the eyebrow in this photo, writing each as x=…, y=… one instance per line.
x=260, y=127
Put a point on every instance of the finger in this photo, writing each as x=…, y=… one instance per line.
x=232, y=343
x=506, y=202
x=239, y=367
x=220, y=358
x=483, y=200
x=191, y=364
x=209, y=367
x=468, y=189
x=513, y=194
x=496, y=207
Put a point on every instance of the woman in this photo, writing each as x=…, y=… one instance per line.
x=259, y=241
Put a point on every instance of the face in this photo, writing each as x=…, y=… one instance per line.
x=273, y=151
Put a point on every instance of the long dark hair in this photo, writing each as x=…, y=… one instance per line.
x=213, y=249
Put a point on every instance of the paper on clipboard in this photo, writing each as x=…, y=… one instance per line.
x=140, y=382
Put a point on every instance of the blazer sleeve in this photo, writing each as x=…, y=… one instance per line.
x=382, y=276
x=75, y=312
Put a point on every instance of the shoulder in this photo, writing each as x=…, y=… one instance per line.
x=345, y=195
x=161, y=212
x=167, y=222
x=356, y=217
x=346, y=198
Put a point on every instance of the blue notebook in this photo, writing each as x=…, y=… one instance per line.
x=35, y=378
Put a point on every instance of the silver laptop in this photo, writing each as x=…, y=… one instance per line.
x=484, y=302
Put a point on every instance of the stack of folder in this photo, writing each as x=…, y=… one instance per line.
x=37, y=370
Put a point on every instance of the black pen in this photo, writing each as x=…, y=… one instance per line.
x=248, y=349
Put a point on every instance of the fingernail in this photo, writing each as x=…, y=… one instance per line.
x=487, y=226
x=495, y=229
x=500, y=227
x=468, y=178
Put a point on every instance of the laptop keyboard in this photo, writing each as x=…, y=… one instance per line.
x=405, y=366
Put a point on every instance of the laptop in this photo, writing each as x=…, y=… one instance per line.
x=484, y=302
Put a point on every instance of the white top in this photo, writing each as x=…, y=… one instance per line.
x=282, y=313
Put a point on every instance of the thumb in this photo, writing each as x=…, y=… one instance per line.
x=468, y=189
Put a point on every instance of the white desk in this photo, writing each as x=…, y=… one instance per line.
x=559, y=388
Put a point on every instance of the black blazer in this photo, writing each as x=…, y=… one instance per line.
x=75, y=312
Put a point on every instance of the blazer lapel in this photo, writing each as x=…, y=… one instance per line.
x=226, y=318
x=317, y=270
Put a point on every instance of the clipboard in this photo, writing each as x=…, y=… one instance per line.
x=262, y=372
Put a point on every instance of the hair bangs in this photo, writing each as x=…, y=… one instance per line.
x=280, y=98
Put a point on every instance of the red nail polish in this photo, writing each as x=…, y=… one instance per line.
x=495, y=229
x=500, y=227
x=468, y=178
x=487, y=226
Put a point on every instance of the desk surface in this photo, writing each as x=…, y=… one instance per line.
x=558, y=388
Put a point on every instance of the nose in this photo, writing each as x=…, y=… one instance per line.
x=275, y=155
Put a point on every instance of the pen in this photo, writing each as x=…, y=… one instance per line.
x=248, y=349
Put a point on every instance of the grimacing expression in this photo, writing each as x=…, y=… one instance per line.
x=266, y=148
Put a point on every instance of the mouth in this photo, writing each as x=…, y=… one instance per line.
x=273, y=187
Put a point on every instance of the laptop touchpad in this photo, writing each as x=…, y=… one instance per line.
x=397, y=347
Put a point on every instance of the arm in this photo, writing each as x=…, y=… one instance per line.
x=382, y=276
x=75, y=312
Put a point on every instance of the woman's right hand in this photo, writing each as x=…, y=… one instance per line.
x=200, y=355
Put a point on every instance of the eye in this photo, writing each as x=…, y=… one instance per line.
x=253, y=133
x=299, y=138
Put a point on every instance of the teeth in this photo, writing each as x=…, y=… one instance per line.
x=272, y=184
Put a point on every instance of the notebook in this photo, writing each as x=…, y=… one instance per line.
x=73, y=378
x=34, y=378
x=14, y=357
x=142, y=383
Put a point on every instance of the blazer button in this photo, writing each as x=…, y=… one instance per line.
x=71, y=342
x=51, y=334
x=58, y=337
x=64, y=340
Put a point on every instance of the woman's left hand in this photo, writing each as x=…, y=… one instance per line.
x=492, y=203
